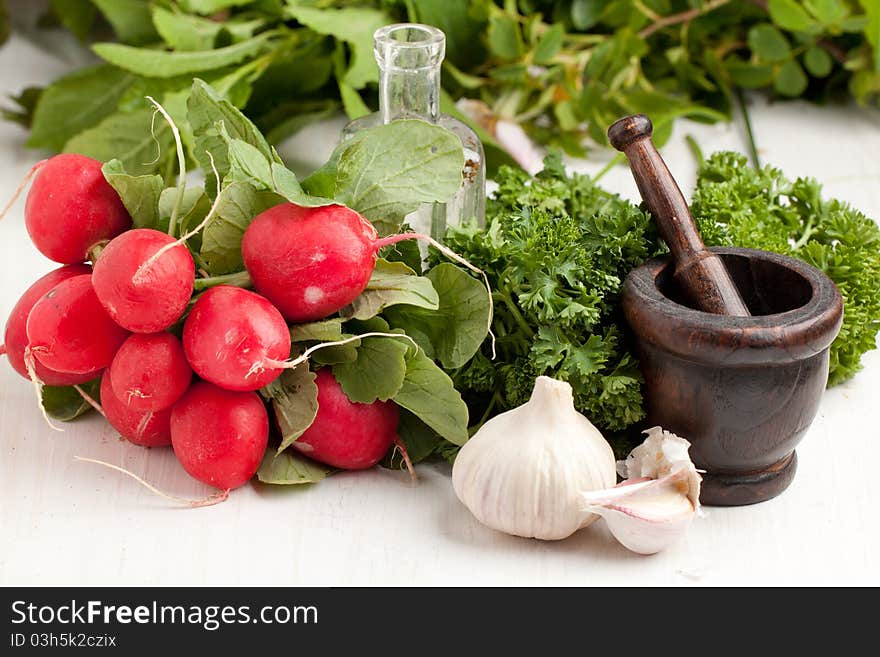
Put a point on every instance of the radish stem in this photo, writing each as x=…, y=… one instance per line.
x=302, y=358
x=238, y=279
x=181, y=162
x=452, y=255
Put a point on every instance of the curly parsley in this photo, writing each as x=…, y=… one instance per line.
x=557, y=248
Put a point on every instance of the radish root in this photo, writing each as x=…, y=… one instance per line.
x=27, y=178
x=267, y=363
x=452, y=255
x=141, y=271
x=211, y=500
x=142, y=425
x=31, y=366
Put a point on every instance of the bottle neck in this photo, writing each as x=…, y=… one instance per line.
x=409, y=56
x=410, y=94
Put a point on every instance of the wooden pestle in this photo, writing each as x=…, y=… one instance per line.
x=700, y=273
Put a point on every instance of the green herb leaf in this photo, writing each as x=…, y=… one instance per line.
x=26, y=102
x=294, y=397
x=791, y=79
x=352, y=102
x=184, y=32
x=76, y=15
x=818, y=61
x=789, y=15
x=461, y=21
x=459, y=325
x=76, y=102
x=205, y=110
x=139, y=194
x=66, y=404
x=768, y=43
x=428, y=393
x=872, y=29
x=289, y=468
x=130, y=20
x=392, y=283
x=247, y=163
x=207, y=7
x=163, y=64
x=549, y=45
x=748, y=75
x=238, y=204
x=585, y=13
x=127, y=138
x=355, y=26
x=193, y=209
x=328, y=330
x=388, y=171
x=828, y=12
x=505, y=38
x=377, y=373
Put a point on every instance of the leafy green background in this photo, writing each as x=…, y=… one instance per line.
x=564, y=69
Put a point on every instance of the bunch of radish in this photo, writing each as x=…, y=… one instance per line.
x=178, y=369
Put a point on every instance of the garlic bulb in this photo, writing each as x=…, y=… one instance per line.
x=655, y=505
x=524, y=471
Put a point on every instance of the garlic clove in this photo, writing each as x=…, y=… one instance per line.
x=654, y=507
x=648, y=516
x=662, y=453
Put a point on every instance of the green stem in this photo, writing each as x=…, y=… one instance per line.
x=238, y=279
x=613, y=162
x=808, y=233
x=753, y=148
x=517, y=316
x=682, y=17
x=695, y=149
x=492, y=403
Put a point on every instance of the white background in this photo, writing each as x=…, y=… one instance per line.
x=69, y=523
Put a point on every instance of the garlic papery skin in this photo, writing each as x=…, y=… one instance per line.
x=523, y=472
x=654, y=507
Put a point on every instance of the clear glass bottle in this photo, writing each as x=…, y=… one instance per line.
x=409, y=56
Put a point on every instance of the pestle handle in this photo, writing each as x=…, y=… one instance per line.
x=701, y=274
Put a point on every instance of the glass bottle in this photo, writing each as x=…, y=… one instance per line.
x=409, y=56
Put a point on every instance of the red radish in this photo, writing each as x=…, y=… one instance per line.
x=144, y=298
x=69, y=331
x=150, y=371
x=71, y=207
x=236, y=339
x=309, y=262
x=347, y=434
x=312, y=262
x=15, y=338
x=145, y=428
x=219, y=436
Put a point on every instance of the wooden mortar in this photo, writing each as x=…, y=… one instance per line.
x=735, y=357
x=742, y=390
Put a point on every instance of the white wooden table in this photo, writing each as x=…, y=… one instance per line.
x=69, y=523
